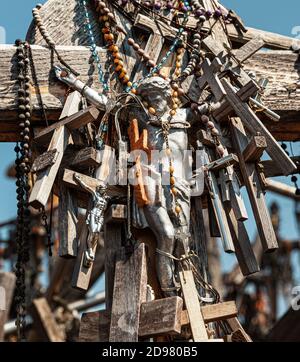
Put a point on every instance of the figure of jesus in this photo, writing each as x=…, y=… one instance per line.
x=95, y=217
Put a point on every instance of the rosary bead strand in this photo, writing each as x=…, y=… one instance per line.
x=106, y=16
x=93, y=46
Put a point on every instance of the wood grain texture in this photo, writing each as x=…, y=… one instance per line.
x=281, y=95
x=254, y=189
x=254, y=125
x=193, y=306
x=46, y=178
x=7, y=286
x=45, y=322
x=67, y=218
x=130, y=292
x=94, y=327
x=161, y=317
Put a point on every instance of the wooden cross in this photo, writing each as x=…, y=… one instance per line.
x=254, y=124
x=158, y=32
x=210, y=78
x=254, y=188
x=59, y=135
x=158, y=318
x=45, y=324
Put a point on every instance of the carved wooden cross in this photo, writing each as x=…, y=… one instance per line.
x=210, y=78
x=59, y=135
x=158, y=32
x=133, y=317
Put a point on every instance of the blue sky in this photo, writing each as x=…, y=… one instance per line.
x=275, y=16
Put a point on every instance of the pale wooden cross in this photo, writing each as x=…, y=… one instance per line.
x=210, y=78
x=59, y=135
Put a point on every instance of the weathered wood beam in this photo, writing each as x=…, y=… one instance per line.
x=280, y=67
x=282, y=189
x=271, y=170
x=272, y=40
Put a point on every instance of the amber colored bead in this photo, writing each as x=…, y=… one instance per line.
x=172, y=112
x=175, y=94
x=175, y=106
x=177, y=209
x=172, y=180
x=119, y=67
x=177, y=72
x=151, y=110
x=175, y=86
x=126, y=79
x=105, y=30
x=174, y=191
x=133, y=91
x=113, y=48
x=168, y=152
x=104, y=17
x=178, y=64
x=117, y=55
x=109, y=37
x=171, y=169
x=129, y=84
x=122, y=75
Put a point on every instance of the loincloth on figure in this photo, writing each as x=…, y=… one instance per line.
x=160, y=196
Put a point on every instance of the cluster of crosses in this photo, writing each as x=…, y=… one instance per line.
x=61, y=156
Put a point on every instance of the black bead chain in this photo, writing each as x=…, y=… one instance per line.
x=22, y=163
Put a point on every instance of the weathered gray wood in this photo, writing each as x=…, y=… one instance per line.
x=45, y=160
x=71, y=105
x=219, y=50
x=282, y=189
x=255, y=149
x=81, y=274
x=211, y=79
x=213, y=313
x=250, y=48
x=85, y=158
x=94, y=327
x=68, y=179
x=254, y=189
x=253, y=123
x=45, y=322
x=271, y=170
x=67, y=218
x=72, y=23
x=113, y=228
x=242, y=244
x=45, y=179
x=130, y=292
x=161, y=317
x=75, y=121
x=280, y=67
x=238, y=331
x=193, y=306
x=7, y=286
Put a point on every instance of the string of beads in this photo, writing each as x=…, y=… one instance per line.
x=22, y=163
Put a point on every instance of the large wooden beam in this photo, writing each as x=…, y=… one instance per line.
x=280, y=67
